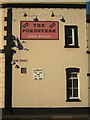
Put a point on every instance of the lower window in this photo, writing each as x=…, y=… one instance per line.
x=73, y=86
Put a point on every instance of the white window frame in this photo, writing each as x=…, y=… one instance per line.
x=72, y=78
x=73, y=37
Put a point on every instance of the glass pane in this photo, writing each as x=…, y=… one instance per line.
x=70, y=40
x=75, y=82
x=70, y=36
x=70, y=92
x=70, y=83
x=75, y=92
x=70, y=32
x=74, y=75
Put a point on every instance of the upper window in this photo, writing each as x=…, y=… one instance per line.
x=73, y=89
x=71, y=36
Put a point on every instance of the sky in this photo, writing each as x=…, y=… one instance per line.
x=88, y=7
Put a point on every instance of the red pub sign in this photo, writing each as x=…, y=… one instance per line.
x=43, y=30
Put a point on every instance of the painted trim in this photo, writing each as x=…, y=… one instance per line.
x=43, y=5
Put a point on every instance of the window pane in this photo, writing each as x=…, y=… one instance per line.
x=75, y=82
x=75, y=92
x=73, y=75
x=70, y=83
x=70, y=36
x=70, y=32
x=69, y=92
x=70, y=40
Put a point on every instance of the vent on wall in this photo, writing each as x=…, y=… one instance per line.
x=23, y=70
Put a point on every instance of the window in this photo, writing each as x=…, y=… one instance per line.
x=23, y=70
x=72, y=80
x=71, y=37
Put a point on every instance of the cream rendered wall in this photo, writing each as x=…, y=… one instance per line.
x=2, y=80
x=88, y=31
x=2, y=61
x=51, y=56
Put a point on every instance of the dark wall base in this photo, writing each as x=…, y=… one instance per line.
x=48, y=113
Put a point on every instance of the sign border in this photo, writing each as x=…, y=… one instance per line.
x=40, y=38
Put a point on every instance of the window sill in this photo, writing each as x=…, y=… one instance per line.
x=71, y=46
x=73, y=100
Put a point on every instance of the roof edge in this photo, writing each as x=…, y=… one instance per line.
x=42, y=2
x=44, y=5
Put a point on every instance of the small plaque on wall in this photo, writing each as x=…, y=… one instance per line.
x=38, y=74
